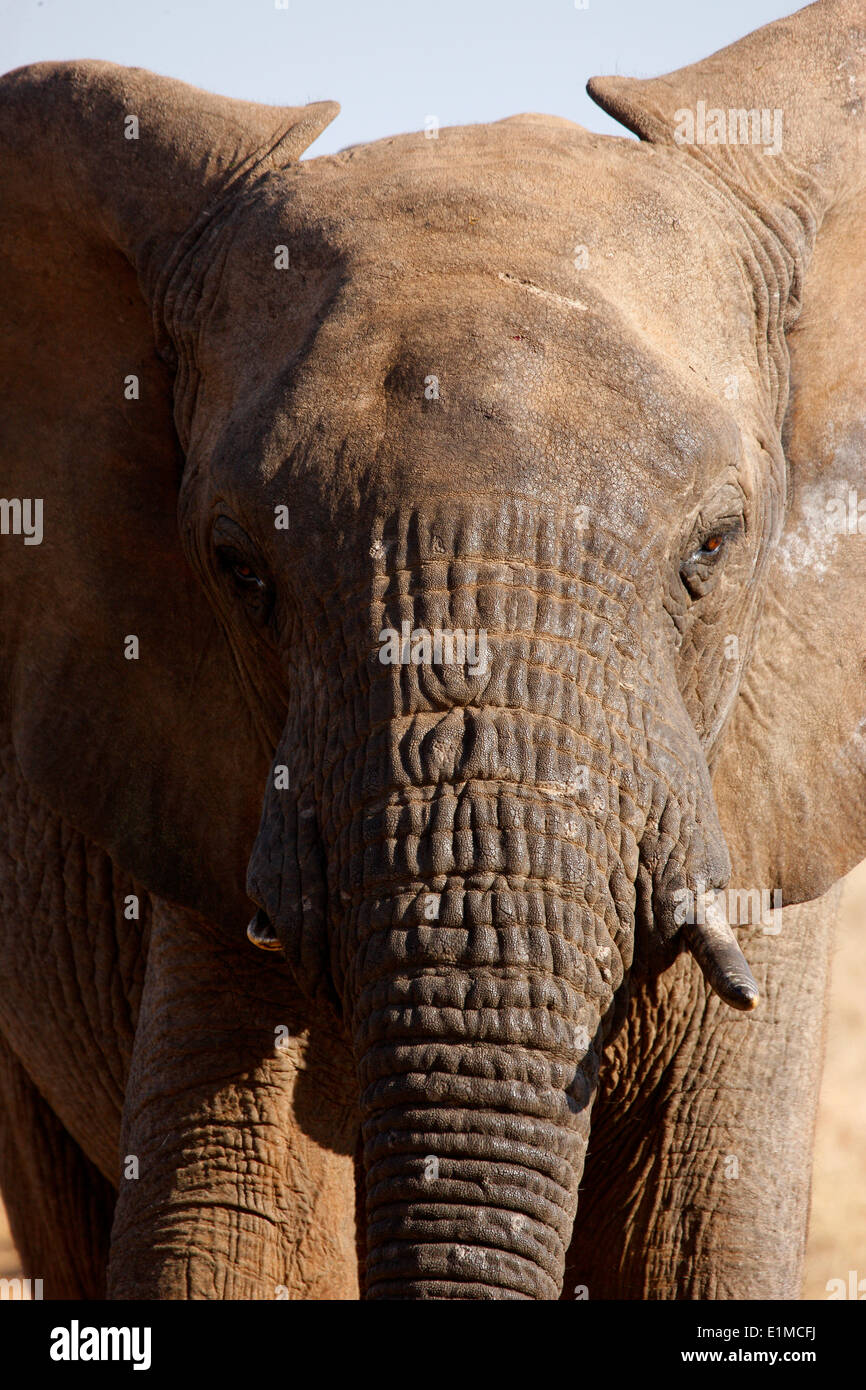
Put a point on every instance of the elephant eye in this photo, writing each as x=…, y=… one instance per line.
x=239, y=569
x=710, y=547
x=254, y=591
x=243, y=570
x=700, y=570
x=246, y=575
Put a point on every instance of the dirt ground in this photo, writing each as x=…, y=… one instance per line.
x=837, y=1235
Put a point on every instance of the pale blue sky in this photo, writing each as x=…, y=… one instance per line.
x=391, y=63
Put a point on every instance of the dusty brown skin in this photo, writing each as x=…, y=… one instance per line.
x=474, y=878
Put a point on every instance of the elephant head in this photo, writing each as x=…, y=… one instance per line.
x=460, y=496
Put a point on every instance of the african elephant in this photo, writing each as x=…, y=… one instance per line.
x=433, y=550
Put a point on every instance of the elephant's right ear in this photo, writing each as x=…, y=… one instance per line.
x=117, y=683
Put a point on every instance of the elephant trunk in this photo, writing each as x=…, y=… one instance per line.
x=477, y=1039
x=478, y=948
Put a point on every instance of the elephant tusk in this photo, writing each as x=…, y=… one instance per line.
x=725, y=968
x=261, y=933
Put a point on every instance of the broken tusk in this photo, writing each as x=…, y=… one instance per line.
x=261, y=933
x=725, y=968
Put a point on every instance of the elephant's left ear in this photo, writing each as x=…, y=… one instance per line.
x=790, y=777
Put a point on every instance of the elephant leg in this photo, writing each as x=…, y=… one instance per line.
x=239, y=1130
x=59, y=1205
x=697, y=1180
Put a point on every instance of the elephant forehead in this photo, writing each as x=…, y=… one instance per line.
x=495, y=363
x=530, y=233
x=584, y=211
x=389, y=402
x=568, y=213
x=523, y=303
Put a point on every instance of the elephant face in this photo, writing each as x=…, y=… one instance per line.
x=456, y=849
x=336, y=477
x=482, y=474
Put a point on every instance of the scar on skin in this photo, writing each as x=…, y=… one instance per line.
x=536, y=289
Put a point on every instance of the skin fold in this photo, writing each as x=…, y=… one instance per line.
x=597, y=399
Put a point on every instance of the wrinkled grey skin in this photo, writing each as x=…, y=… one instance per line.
x=386, y=387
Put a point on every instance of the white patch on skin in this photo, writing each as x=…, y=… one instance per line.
x=546, y=294
x=812, y=545
x=831, y=510
x=853, y=751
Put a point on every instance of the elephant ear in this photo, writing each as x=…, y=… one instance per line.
x=790, y=775
x=118, y=685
